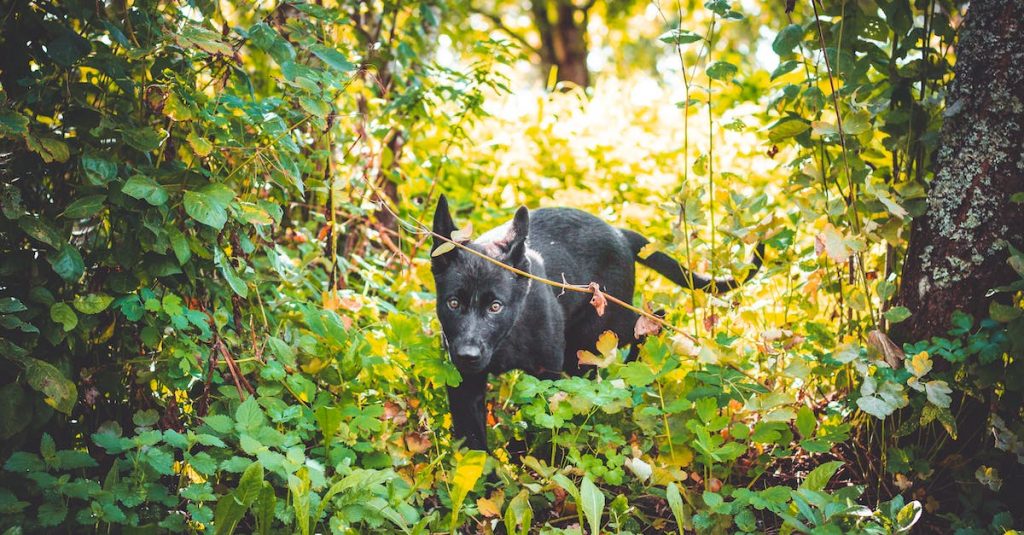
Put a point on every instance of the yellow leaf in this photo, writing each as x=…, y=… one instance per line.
x=491, y=507
x=607, y=343
x=588, y=358
x=647, y=250
x=920, y=364
x=467, y=471
x=832, y=243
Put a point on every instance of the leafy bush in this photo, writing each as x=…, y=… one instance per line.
x=217, y=312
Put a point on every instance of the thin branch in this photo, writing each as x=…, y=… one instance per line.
x=499, y=24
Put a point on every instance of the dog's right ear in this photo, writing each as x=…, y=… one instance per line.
x=443, y=223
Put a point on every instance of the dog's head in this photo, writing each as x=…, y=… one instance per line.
x=478, y=302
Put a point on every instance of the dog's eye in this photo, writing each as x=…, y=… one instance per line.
x=453, y=303
x=495, y=307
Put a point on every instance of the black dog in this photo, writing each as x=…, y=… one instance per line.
x=494, y=320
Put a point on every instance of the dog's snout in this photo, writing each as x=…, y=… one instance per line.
x=468, y=354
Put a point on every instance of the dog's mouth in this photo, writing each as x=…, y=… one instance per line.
x=469, y=366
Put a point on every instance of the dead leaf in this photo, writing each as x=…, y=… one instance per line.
x=645, y=326
x=833, y=243
x=395, y=413
x=557, y=398
x=891, y=353
x=903, y=482
x=491, y=507
x=684, y=345
x=710, y=322
x=598, y=301
x=417, y=442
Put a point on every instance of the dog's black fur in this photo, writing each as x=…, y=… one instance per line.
x=494, y=320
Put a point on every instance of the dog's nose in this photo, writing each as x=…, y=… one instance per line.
x=468, y=355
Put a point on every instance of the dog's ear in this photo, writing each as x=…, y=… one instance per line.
x=443, y=223
x=514, y=242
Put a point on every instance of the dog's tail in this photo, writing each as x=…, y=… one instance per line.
x=670, y=269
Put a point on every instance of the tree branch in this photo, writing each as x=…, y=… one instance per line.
x=496, y=20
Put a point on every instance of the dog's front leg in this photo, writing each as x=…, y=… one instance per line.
x=469, y=418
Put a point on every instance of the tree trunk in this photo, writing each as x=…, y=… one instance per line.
x=563, y=39
x=958, y=248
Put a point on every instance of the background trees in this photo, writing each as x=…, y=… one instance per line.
x=217, y=314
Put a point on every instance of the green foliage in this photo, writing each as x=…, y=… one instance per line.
x=212, y=322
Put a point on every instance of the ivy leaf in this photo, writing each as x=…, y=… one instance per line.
x=145, y=188
x=788, y=39
x=67, y=263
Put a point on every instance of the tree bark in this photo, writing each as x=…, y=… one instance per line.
x=563, y=39
x=958, y=248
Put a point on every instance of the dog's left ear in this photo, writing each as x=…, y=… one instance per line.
x=514, y=242
x=443, y=223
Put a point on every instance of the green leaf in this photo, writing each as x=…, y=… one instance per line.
x=144, y=139
x=249, y=416
x=98, y=170
x=897, y=314
x=467, y=471
x=788, y=39
x=67, y=263
x=592, y=502
x=784, y=67
x=679, y=36
x=59, y=392
x=205, y=209
x=805, y=422
x=857, y=123
x=13, y=124
x=875, y=406
x=50, y=149
x=85, y=207
x=787, y=128
x=908, y=516
x=938, y=393
x=10, y=305
x=61, y=313
x=145, y=188
x=721, y=70
x=41, y=229
x=179, y=244
x=820, y=476
x=675, y=503
x=227, y=269
x=92, y=303
x=332, y=58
